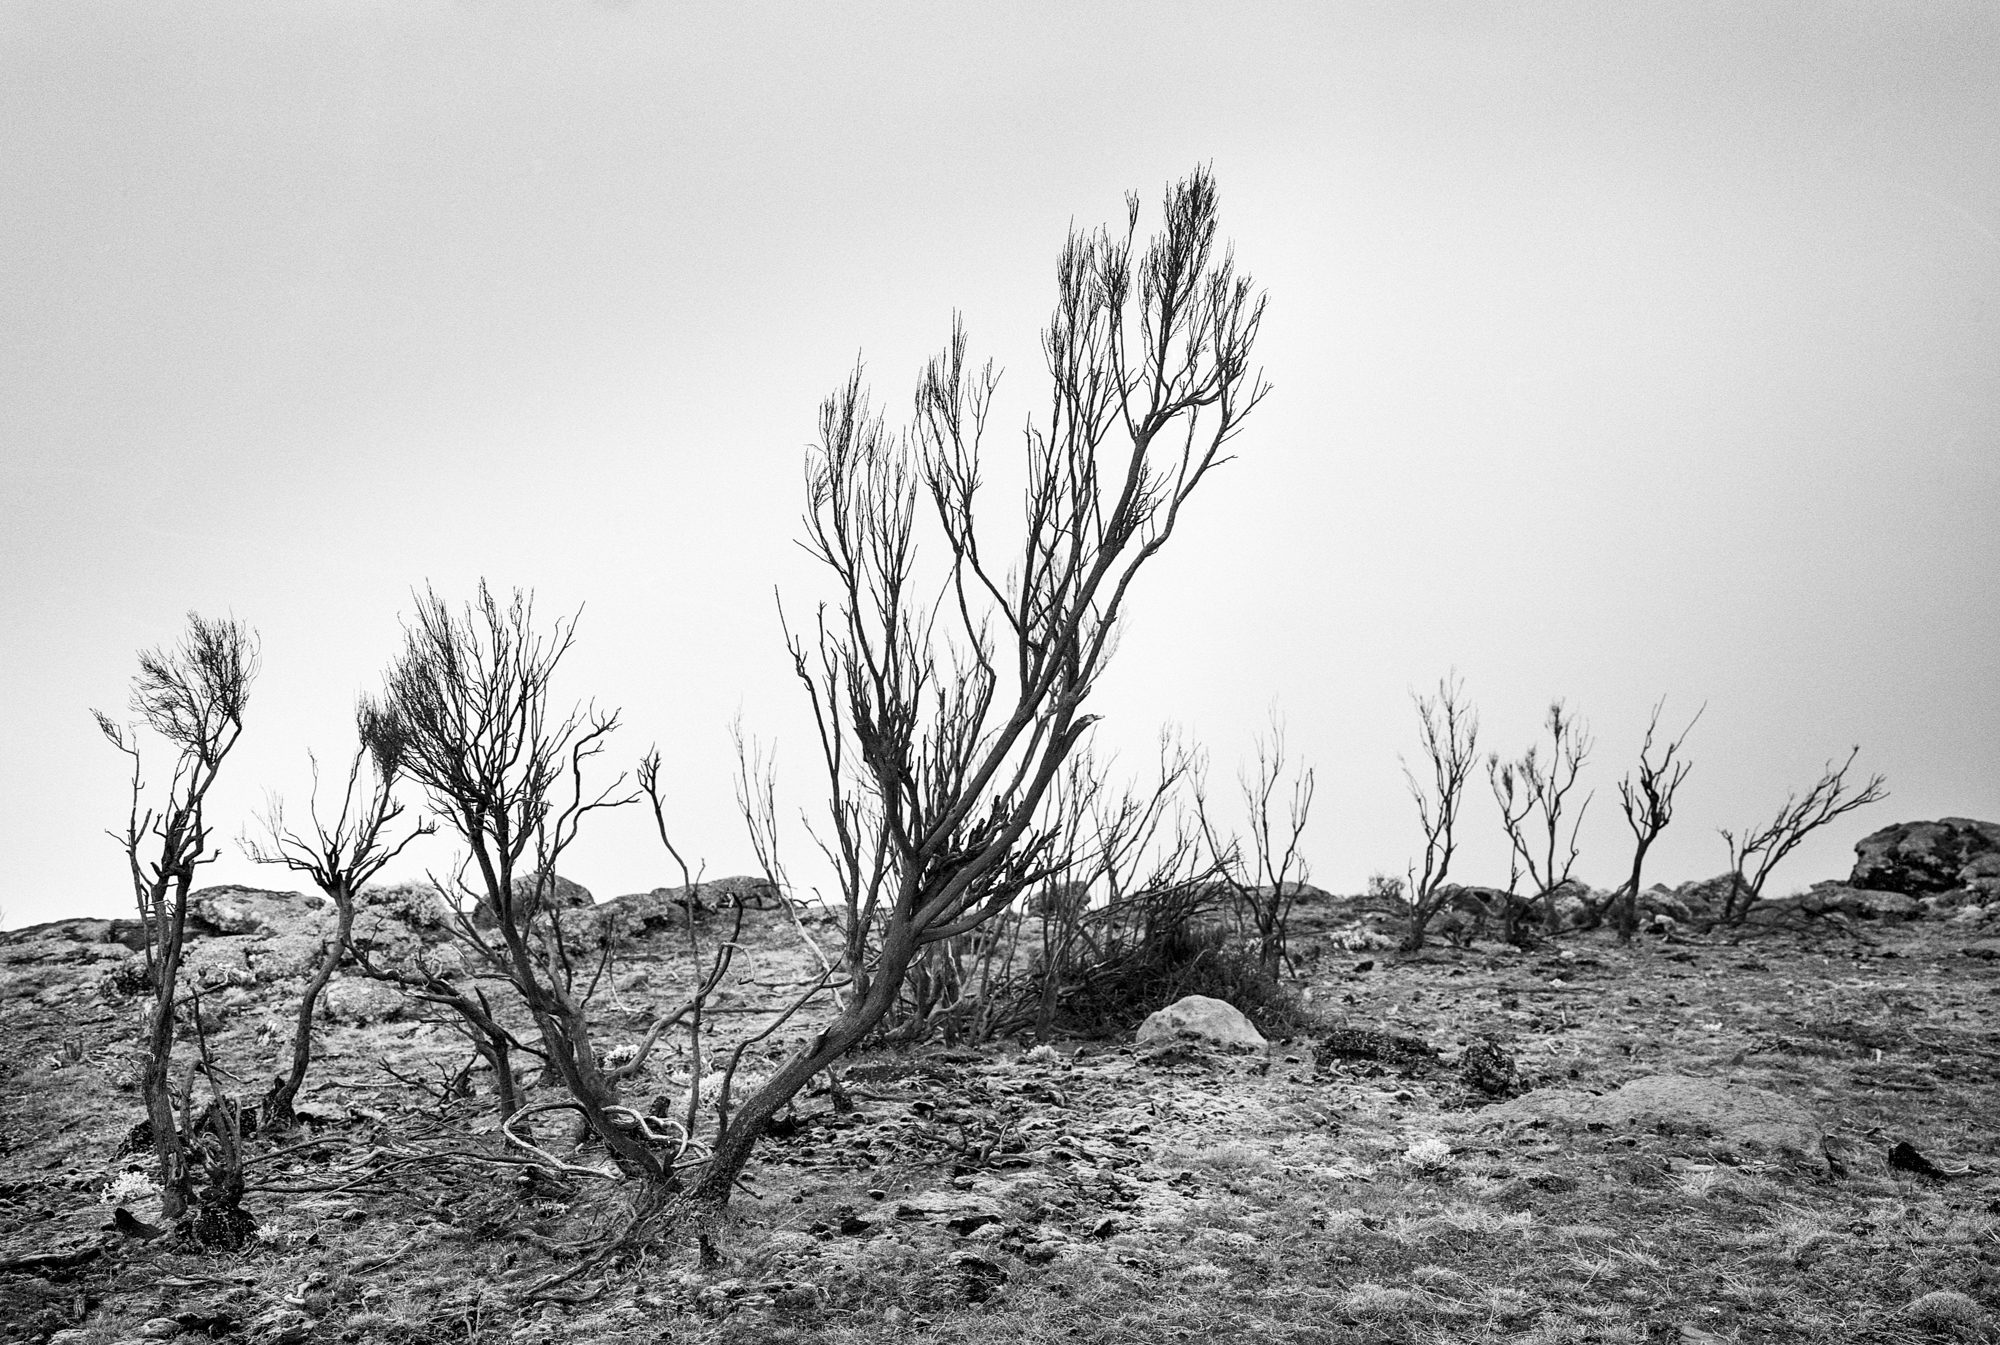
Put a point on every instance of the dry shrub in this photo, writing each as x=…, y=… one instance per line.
x=1143, y=953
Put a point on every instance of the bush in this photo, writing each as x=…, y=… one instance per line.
x=1145, y=960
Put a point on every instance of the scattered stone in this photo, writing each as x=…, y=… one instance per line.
x=1206, y=1019
x=1919, y=858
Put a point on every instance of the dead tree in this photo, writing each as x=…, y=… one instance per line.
x=947, y=706
x=1648, y=798
x=1753, y=854
x=193, y=696
x=472, y=691
x=1264, y=876
x=1533, y=796
x=1448, y=728
x=340, y=856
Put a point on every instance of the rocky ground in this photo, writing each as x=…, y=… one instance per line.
x=1784, y=1132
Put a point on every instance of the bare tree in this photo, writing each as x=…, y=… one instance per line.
x=340, y=856
x=1753, y=854
x=1648, y=799
x=1265, y=876
x=946, y=707
x=193, y=696
x=1448, y=729
x=1530, y=790
x=472, y=690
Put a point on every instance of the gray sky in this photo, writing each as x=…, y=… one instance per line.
x=1620, y=351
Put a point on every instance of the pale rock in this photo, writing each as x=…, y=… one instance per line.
x=360, y=1002
x=1726, y=1113
x=1204, y=1018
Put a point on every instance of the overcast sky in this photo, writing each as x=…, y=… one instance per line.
x=1619, y=352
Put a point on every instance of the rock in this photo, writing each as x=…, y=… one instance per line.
x=1919, y=858
x=1207, y=1019
x=1706, y=897
x=1790, y=911
x=289, y=956
x=359, y=1002
x=559, y=893
x=234, y=909
x=1658, y=900
x=1981, y=876
x=415, y=906
x=1468, y=913
x=1728, y=1115
x=960, y=1211
x=742, y=890
x=213, y=964
x=1738, y=1114
x=396, y=924
x=1861, y=903
x=644, y=915
x=80, y=929
x=1560, y=1108
x=1405, y=1055
x=1574, y=901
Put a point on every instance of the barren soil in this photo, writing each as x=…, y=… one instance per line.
x=1095, y=1191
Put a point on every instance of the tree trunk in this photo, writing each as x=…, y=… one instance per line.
x=735, y=1145
x=1628, y=902
x=156, y=1081
x=278, y=1102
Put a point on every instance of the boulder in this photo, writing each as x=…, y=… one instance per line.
x=1723, y=1114
x=1981, y=876
x=1706, y=897
x=1731, y=1113
x=1205, y=1019
x=1658, y=900
x=1468, y=913
x=234, y=909
x=360, y=1003
x=558, y=893
x=1861, y=903
x=1919, y=858
x=79, y=929
x=756, y=893
x=395, y=924
x=1574, y=901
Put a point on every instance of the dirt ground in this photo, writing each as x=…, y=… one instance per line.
x=1087, y=1190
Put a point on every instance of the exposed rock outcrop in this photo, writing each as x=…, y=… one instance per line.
x=1924, y=858
x=1721, y=1114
